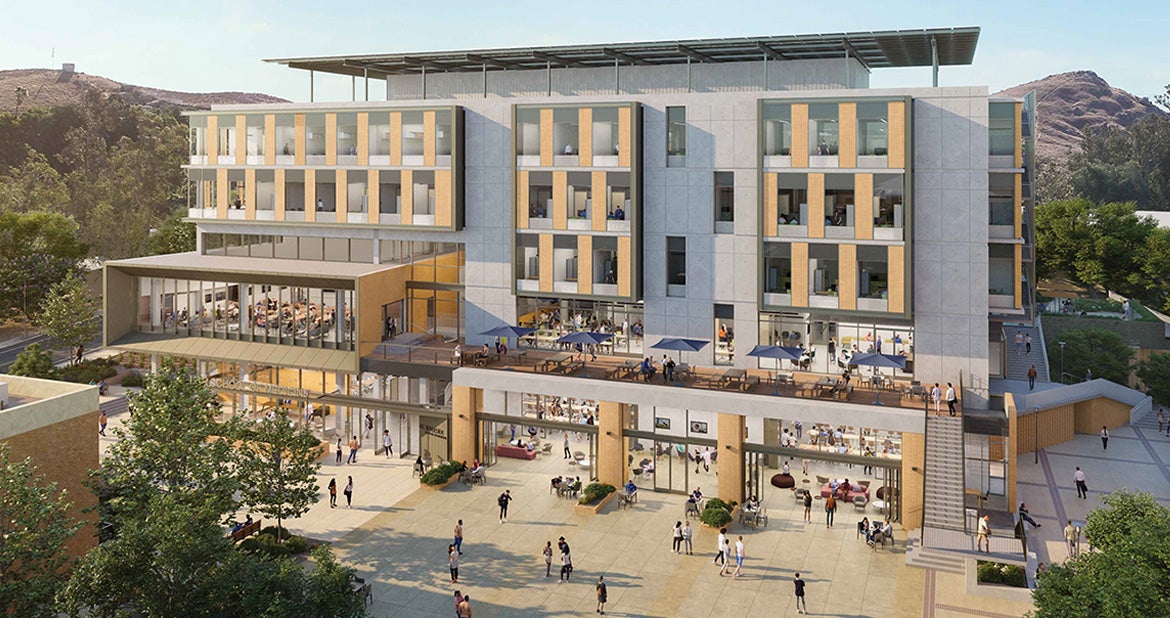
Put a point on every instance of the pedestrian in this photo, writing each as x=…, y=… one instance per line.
x=678, y=537
x=458, y=602
x=799, y=427
x=453, y=561
x=339, y=451
x=459, y=537
x=353, y=448
x=1026, y=517
x=952, y=398
x=984, y=534
x=1104, y=437
x=830, y=508
x=1079, y=481
x=103, y=420
x=936, y=396
x=369, y=425
x=803, y=466
x=686, y=532
x=387, y=443
x=465, y=607
x=726, y=555
x=1088, y=374
x=1027, y=344
x=333, y=493
x=1032, y=377
x=547, y=558
x=1072, y=536
x=739, y=556
x=798, y=583
x=807, y=507
x=503, y=500
x=1161, y=419
x=349, y=493
x=566, y=563
x=1019, y=342
x=721, y=547
x=602, y=594
x=568, y=454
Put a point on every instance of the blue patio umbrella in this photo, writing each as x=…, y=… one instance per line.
x=585, y=338
x=679, y=344
x=778, y=352
x=509, y=331
x=877, y=361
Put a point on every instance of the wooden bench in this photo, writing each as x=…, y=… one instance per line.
x=749, y=382
x=246, y=531
x=572, y=366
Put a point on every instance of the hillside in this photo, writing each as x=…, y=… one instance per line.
x=48, y=88
x=1069, y=103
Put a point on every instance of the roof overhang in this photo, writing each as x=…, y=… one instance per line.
x=883, y=49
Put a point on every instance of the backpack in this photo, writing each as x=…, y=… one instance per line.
x=503, y=500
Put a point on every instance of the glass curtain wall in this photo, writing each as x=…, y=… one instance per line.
x=556, y=318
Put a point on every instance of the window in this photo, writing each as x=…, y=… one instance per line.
x=823, y=262
x=777, y=129
x=823, y=136
x=676, y=265
x=724, y=334
x=1001, y=188
x=777, y=268
x=873, y=272
x=724, y=199
x=676, y=132
x=1001, y=134
x=872, y=125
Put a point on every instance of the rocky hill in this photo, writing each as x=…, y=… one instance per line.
x=1070, y=103
x=46, y=88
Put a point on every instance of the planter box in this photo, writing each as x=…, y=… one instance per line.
x=734, y=517
x=454, y=477
x=593, y=509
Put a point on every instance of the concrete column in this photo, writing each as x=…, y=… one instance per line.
x=155, y=304
x=245, y=305
x=377, y=243
x=154, y=363
x=730, y=438
x=245, y=400
x=464, y=446
x=340, y=316
x=339, y=425
x=611, y=446
x=424, y=390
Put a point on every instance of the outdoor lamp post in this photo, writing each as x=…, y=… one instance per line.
x=1061, y=361
x=1036, y=433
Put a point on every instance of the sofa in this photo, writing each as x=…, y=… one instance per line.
x=515, y=452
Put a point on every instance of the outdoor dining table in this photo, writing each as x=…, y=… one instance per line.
x=516, y=356
x=732, y=377
x=824, y=385
x=556, y=361
x=626, y=369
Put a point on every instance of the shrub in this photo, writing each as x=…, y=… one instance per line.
x=296, y=545
x=715, y=516
x=93, y=370
x=717, y=503
x=999, y=573
x=272, y=532
x=440, y=473
x=250, y=545
x=134, y=379
x=595, y=492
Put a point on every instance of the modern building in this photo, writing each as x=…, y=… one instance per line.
x=739, y=192
x=55, y=424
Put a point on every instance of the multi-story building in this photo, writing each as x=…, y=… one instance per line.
x=738, y=192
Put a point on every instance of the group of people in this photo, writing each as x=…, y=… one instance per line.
x=875, y=531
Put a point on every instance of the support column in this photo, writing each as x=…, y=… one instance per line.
x=463, y=405
x=338, y=411
x=611, y=450
x=245, y=400
x=730, y=446
x=913, y=479
x=154, y=363
x=155, y=304
x=339, y=316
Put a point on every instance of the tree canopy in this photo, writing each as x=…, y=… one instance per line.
x=1155, y=375
x=37, y=250
x=1102, y=351
x=33, y=361
x=278, y=469
x=69, y=313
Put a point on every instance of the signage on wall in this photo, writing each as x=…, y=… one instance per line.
x=661, y=422
x=698, y=427
x=435, y=432
x=260, y=388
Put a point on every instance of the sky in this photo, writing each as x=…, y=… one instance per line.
x=218, y=45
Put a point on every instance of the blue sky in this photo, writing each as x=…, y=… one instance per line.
x=218, y=45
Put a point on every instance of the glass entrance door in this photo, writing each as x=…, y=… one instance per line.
x=670, y=468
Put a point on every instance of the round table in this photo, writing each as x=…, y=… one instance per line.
x=783, y=481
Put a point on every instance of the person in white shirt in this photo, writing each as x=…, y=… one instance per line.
x=568, y=149
x=739, y=556
x=952, y=399
x=936, y=396
x=984, y=534
x=786, y=469
x=1079, y=481
x=1104, y=437
x=720, y=558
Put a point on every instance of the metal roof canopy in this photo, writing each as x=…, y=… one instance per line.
x=890, y=48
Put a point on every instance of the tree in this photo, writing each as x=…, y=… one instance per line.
x=1129, y=536
x=33, y=186
x=1155, y=374
x=174, y=236
x=278, y=469
x=34, y=362
x=34, y=526
x=37, y=249
x=69, y=314
x=1103, y=351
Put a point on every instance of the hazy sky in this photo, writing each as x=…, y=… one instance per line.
x=218, y=45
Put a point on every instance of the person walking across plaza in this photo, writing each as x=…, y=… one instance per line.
x=686, y=532
x=568, y=453
x=503, y=501
x=103, y=420
x=830, y=509
x=547, y=551
x=721, y=548
x=1072, y=536
x=453, y=562
x=1104, y=437
x=465, y=607
x=353, y=449
x=739, y=556
x=566, y=562
x=984, y=537
x=333, y=493
x=602, y=594
x=677, y=536
x=807, y=507
x=1079, y=481
x=339, y=451
x=458, y=602
x=459, y=537
x=798, y=584
x=387, y=443
x=349, y=493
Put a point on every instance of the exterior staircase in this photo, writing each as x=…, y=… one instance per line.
x=926, y=558
x=1016, y=365
x=113, y=406
x=942, y=505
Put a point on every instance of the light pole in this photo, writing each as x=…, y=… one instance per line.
x=1061, y=361
x=1036, y=433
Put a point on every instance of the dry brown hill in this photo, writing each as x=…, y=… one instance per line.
x=1069, y=103
x=48, y=88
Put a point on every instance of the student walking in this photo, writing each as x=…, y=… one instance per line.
x=602, y=594
x=349, y=493
x=739, y=556
x=1104, y=437
x=339, y=451
x=1019, y=342
x=984, y=538
x=807, y=507
x=952, y=399
x=503, y=500
x=1032, y=377
x=458, y=602
x=1079, y=481
x=566, y=562
x=353, y=448
x=547, y=558
x=103, y=420
x=459, y=537
x=686, y=532
x=798, y=584
x=453, y=562
x=678, y=537
x=830, y=509
x=721, y=548
x=465, y=607
x=1072, y=536
x=387, y=443
x=333, y=493
x=1027, y=344
x=568, y=453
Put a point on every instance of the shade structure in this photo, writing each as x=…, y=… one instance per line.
x=777, y=352
x=585, y=338
x=680, y=345
x=878, y=360
x=508, y=331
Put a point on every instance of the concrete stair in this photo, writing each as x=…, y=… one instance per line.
x=114, y=405
x=925, y=558
x=943, y=503
x=1016, y=365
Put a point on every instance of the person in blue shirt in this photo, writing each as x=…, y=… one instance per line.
x=619, y=214
x=631, y=487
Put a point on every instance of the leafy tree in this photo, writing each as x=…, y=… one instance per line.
x=174, y=236
x=1155, y=374
x=328, y=592
x=1121, y=165
x=34, y=526
x=278, y=469
x=1062, y=229
x=1128, y=575
x=34, y=362
x=37, y=249
x=69, y=314
x=1103, y=351
x=33, y=186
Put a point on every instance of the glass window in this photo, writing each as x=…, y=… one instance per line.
x=824, y=129
x=623, y=320
x=1001, y=134
x=227, y=136
x=315, y=135
x=1001, y=269
x=823, y=261
x=413, y=133
x=347, y=134
x=887, y=200
x=724, y=197
x=286, y=135
x=676, y=263
x=1001, y=197
x=528, y=132
x=676, y=131
x=777, y=129
x=255, y=135
x=792, y=201
x=839, y=200
x=777, y=268
x=443, y=133
x=872, y=128
x=379, y=135
x=724, y=334
x=540, y=198
x=873, y=271
x=198, y=136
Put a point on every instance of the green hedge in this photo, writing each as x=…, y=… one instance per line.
x=715, y=516
x=134, y=379
x=999, y=573
x=265, y=543
x=595, y=492
x=440, y=473
x=93, y=370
